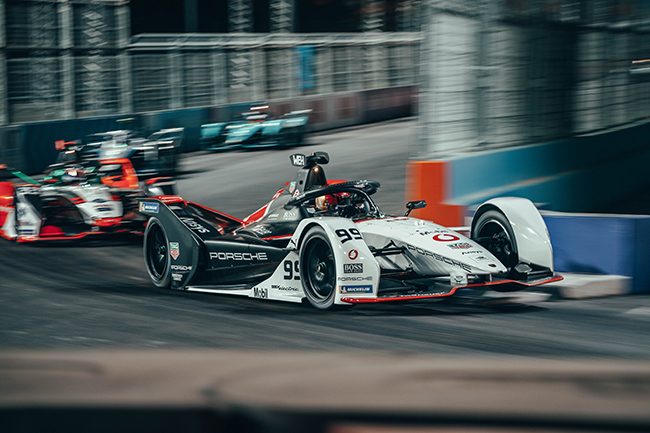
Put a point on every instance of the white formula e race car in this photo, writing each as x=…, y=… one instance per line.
x=327, y=242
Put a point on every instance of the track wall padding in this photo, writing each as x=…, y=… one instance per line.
x=602, y=244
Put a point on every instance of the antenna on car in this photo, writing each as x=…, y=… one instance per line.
x=300, y=160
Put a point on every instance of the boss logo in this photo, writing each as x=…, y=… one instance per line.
x=353, y=268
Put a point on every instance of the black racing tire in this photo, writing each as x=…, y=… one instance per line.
x=318, y=269
x=493, y=231
x=156, y=254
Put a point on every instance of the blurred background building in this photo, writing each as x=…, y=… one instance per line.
x=485, y=72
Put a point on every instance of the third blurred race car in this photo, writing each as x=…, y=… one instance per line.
x=256, y=128
x=156, y=154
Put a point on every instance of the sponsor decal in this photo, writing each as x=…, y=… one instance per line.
x=174, y=250
x=353, y=254
x=148, y=207
x=446, y=237
x=260, y=293
x=261, y=230
x=479, y=259
x=273, y=216
x=439, y=257
x=459, y=246
x=284, y=288
x=177, y=277
x=292, y=187
x=103, y=209
x=353, y=268
x=181, y=268
x=369, y=278
x=356, y=289
x=194, y=225
x=472, y=252
x=238, y=256
x=296, y=193
x=289, y=215
x=298, y=159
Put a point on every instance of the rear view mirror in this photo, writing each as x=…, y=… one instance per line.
x=419, y=204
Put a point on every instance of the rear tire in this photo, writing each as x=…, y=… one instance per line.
x=318, y=269
x=156, y=254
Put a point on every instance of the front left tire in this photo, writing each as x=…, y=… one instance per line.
x=156, y=254
x=318, y=269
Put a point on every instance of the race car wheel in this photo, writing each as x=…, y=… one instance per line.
x=493, y=231
x=156, y=254
x=318, y=269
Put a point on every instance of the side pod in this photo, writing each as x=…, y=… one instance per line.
x=182, y=245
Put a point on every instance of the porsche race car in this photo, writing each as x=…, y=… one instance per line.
x=328, y=243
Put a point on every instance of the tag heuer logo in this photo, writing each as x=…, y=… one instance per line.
x=353, y=268
x=174, y=251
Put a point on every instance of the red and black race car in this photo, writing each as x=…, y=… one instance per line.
x=74, y=200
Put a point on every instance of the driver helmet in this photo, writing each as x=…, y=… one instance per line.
x=73, y=175
x=327, y=202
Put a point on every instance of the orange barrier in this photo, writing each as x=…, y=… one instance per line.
x=429, y=180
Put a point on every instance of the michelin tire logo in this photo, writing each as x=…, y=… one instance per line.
x=356, y=289
x=148, y=207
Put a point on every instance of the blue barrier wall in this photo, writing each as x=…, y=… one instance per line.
x=602, y=244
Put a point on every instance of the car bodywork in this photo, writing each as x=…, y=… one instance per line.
x=293, y=248
x=156, y=154
x=256, y=129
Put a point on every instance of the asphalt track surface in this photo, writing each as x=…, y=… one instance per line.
x=98, y=296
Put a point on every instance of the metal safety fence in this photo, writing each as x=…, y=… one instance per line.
x=179, y=71
x=169, y=72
